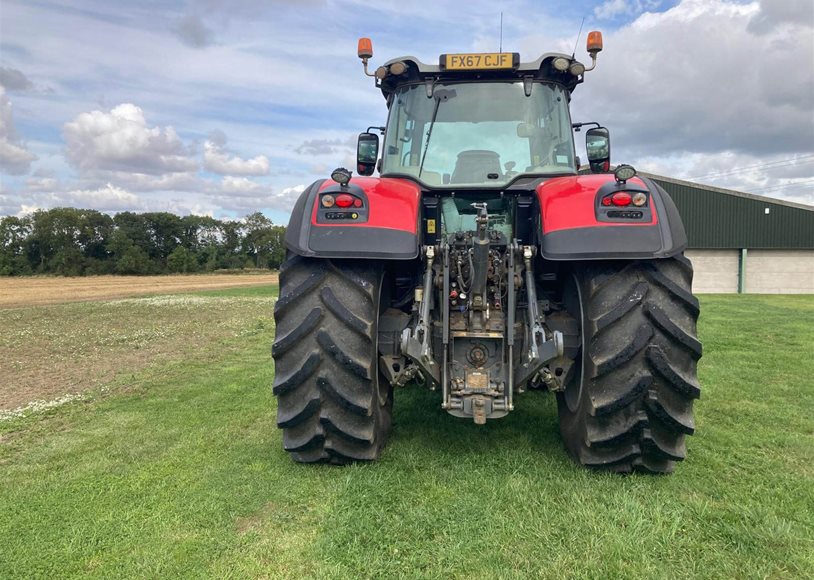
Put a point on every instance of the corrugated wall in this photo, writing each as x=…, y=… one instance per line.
x=718, y=220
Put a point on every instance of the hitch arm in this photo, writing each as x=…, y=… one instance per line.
x=418, y=344
x=540, y=350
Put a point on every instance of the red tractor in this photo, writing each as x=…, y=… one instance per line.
x=482, y=265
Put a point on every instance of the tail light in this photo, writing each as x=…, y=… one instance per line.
x=620, y=198
x=344, y=200
x=625, y=198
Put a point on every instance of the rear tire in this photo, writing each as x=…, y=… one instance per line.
x=628, y=405
x=332, y=404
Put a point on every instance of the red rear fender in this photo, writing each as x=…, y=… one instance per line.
x=393, y=203
x=571, y=202
x=576, y=225
x=381, y=222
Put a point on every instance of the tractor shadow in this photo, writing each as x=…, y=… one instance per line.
x=531, y=429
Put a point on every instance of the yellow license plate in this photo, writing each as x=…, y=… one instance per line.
x=481, y=61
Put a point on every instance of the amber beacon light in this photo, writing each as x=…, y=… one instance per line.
x=594, y=46
x=365, y=49
x=365, y=52
x=594, y=42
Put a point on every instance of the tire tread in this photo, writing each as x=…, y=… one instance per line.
x=640, y=377
x=326, y=367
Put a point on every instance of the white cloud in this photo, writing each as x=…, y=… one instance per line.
x=41, y=184
x=286, y=198
x=775, y=12
x=695, y=81
x=107, y=198
x=26, y=209
x=122, y=140
x=167, y=182
x=8, y=205
x=15, y=158
x=217, y=160
x=316, y=147
x=242, y=195
x=240, y=186
x=787, y=177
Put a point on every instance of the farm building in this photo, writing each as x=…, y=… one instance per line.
x=739, y=242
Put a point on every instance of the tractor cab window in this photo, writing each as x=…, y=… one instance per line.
x=458, y=214
x=478, y=134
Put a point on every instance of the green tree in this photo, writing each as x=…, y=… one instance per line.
x=165, y=232
x=72, y=241
x=127, y=256
x=65, y=240
x=182, y=261
x=231, y=244
x=14, y=233
x=262, y=241
x=134, y=260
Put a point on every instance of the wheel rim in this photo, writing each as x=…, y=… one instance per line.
x=573, y=304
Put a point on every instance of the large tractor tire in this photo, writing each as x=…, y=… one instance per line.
x=332, y=404
x=628, y=403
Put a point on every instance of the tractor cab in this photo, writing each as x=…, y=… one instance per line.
x=516, y=111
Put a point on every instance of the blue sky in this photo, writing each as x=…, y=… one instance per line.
x=225, y=108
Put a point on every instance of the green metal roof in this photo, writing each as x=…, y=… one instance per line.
x=722, y=218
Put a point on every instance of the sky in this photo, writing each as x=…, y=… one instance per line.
x=227, y=107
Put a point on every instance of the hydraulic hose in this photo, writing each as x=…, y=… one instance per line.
x=481, y=259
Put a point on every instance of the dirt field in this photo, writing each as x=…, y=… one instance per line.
x=65, y=336
x=35, y=291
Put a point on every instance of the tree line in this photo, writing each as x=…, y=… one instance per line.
x=85, y=242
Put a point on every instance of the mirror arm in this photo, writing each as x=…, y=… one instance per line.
x=577, y=126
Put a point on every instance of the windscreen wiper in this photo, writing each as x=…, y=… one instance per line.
x=439, y=95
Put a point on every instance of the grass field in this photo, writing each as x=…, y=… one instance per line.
x=176, y=469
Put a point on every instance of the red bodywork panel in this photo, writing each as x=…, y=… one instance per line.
x=567, y=203
x=392, y=203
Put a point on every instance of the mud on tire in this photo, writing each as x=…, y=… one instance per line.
x=628, y=406
x=331, y=404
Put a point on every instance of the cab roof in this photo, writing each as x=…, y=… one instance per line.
x=540, y=69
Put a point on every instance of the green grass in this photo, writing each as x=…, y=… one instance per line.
x=185, y=476
x=251, y=291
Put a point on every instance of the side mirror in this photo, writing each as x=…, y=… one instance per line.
x=367, y=152
x=597, y=145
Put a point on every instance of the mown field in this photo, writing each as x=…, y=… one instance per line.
x=37, y=291
x=173, y=466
